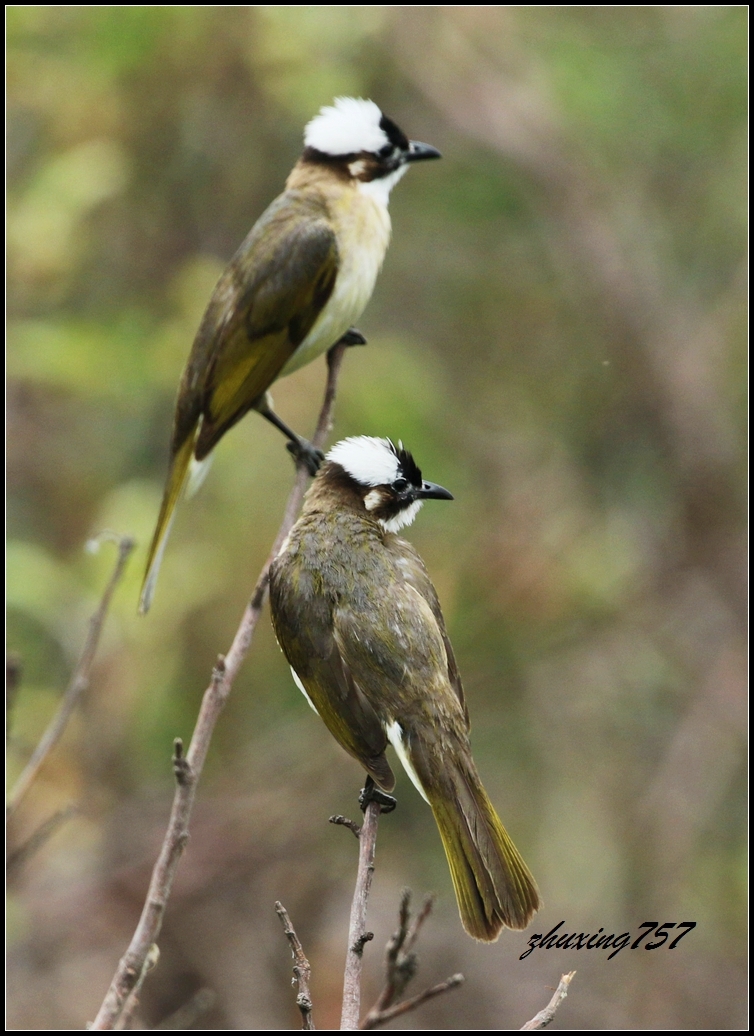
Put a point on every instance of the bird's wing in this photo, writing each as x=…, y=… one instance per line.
x=303, y=626
x=262, y=308
x=415, y=574
x=395, y=651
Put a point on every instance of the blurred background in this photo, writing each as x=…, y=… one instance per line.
x=559, y=334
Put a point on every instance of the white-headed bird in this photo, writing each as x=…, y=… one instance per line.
x=295, y=287
x=360, y=624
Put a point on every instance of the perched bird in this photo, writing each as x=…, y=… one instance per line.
x=358, y=619
x=293, y=289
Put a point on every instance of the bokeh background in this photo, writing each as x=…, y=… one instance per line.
x=559, y=334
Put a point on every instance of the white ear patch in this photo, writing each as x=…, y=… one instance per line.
x=372, y=499
x=368, y=460
x=350, y=124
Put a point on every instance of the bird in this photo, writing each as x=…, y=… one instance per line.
x=294, y=289
x=360, y=624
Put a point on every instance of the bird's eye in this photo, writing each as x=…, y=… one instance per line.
x=385, y=151
x=400, y=484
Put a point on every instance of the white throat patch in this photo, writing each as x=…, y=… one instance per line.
x=403, y=518
x=368, y=460
x=380, y=188
x=350, y=124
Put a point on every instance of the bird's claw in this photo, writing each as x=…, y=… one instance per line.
x=371, y=793
x=352, y=337
x=306, y=455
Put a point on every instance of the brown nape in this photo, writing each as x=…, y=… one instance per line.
x=368, y=165
x=334, y=488
x=317, y=162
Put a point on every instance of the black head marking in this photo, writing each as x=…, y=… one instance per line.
x=395, y=135
x=409, y=468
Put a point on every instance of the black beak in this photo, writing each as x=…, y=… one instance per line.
x=431, y=491
x=416, y=151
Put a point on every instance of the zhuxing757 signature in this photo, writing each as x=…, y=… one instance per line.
x=580, y=941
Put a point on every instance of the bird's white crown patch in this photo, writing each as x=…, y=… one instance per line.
x=368, y=460
x=349, y=125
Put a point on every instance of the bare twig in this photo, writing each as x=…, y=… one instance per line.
x=345, y=822
x=546, y=1015
x=176, y=836
x=413, y=1002
x=301, y=969
x=35, y=841
x=132, y=1001
x=401, y=965
x=357, y=934
x=78, y=683
x=421, y=917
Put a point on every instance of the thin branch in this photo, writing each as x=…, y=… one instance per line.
x=357, y=933
x=345, y=822
x=189, y=769
x=35, y=841
x=413, y=1002
x=401, y=966
x=302, y=970
x=421, y=917
x=78, y=683
x=546, y=1015
x=132, y=1001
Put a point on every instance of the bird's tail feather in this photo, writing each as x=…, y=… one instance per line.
x=179, y=470
x=492, y=883
x=198, y=471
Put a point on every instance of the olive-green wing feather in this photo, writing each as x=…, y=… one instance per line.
x=347, y=713
x=262, y=308
x=414, y=574
x=303, y=626
x=396, y=651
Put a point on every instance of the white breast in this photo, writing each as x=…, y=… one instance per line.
x=362, y=226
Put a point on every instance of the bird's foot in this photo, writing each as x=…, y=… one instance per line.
x=371, y=793
x=352, y=337
x=306, y=455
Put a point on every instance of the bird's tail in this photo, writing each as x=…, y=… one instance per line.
x=492, y=883
x=179, y=470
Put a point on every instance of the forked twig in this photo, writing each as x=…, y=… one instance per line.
x=413, y=1002
x=188, y=769
x=401, y=966
x=132, y=1000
